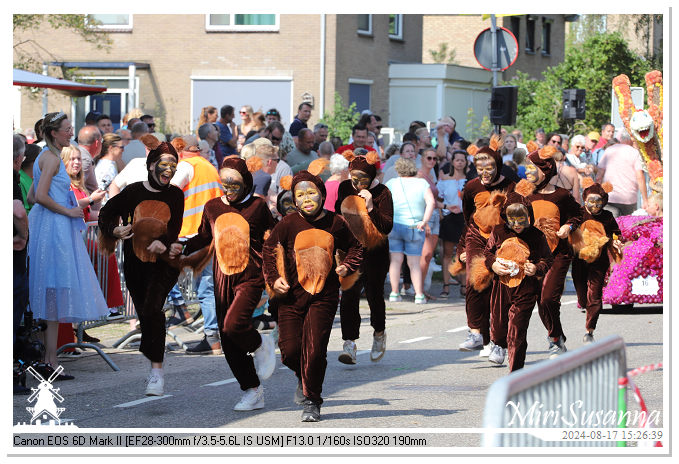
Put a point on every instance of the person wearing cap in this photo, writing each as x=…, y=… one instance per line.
x=591, y=141
x=236, y=223
x=482, y=200
x=597, y=235
x=367, y=206
x=516, y=256
x=298, y=266
x=557, y=213
x=91, y=118
x=151, y=212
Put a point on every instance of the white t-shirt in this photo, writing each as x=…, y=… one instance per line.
x=105, y=171
x=135, y=171
x=408, y=207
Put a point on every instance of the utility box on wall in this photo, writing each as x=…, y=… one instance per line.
x=427, y=92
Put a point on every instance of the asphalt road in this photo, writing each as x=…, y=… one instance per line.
x=423, y=381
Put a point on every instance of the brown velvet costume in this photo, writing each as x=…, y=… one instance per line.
x=305, y=319
x=238, y=232
x=371, y=229
x=148, y=278
x=553, y=210
x=473, y=243
x=588, y=278
x=512, y=306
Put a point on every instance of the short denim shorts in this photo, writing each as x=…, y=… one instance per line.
x=406, y=239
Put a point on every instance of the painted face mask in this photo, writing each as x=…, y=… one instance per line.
x=287, y=204
x=594, y=204
x=518, y=222
x=234, y=187
x=486, y=170
x=163, y=171
x=307, y=199
x=532, y=173
x=360, y=180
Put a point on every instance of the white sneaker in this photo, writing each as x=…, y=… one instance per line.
x=485, y=352
x=348, y=354
x=497, y=355
x=154, y=385
x=265, y=358
x=253, y=398
x=473, y=342
x=379, y=347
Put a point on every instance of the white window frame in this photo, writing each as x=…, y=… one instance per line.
x=242, y=28
x=370, y=27
x=399, y=27
x=114, y=27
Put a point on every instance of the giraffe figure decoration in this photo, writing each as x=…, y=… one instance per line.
x=644, y=125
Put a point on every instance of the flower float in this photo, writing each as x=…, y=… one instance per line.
x=642, y=258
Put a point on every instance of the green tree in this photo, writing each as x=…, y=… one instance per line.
x=29, y=54
x=341, y=120
x=476, y=130
x=592, y=66
x=443, y=55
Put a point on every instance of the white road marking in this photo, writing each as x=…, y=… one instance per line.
x=458, y=329
x=221, y=382
x=143, y=400
x=362, y=352
x=413, y=340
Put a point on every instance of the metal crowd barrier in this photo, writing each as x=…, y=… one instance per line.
x=586, y=378
x=100, y=264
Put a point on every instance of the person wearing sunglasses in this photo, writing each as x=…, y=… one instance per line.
x=149, y=120
x=426, y=172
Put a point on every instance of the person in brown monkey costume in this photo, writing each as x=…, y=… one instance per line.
x=556, y=214
x=482, y=201
x=367, y=206
x=517, y=256
x=236, y=224
x=151, y=212
x=592, y=241
x=298, y=266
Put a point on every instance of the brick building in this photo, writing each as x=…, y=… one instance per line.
x=173, y=65
x=540, y=39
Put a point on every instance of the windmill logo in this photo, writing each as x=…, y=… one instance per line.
x=45, y=408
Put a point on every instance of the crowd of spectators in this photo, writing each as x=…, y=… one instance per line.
x=425, y=171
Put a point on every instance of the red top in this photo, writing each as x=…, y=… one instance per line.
x=79, y=195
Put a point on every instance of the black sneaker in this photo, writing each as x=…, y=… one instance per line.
x=206, y=346
x=311, y=411
x=46, y=371
x=174, y=322
x=115, y=315
x=87, y=338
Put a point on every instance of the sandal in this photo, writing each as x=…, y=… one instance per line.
x=445, y=291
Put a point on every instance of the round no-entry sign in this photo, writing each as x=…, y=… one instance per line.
x=507, y=46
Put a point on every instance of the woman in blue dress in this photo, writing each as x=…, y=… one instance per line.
x=62, y=284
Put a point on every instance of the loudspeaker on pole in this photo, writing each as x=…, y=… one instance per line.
x=574, y=104
x=503, y=105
